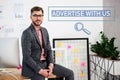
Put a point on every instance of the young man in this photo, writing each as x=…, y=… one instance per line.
x=37, y=55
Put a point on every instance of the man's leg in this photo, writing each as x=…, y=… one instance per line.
x=37, y=76
x=64, y=72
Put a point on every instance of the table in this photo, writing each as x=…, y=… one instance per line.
x=15, y=74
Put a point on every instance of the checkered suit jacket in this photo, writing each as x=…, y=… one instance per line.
x=31, y=50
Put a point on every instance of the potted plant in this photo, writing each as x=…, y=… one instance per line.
x=105, y=47
x=107, y=61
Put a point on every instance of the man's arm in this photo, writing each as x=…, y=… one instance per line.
x=26, y=50
x=50, y=56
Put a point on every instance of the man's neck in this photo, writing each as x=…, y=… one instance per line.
x=37, y=27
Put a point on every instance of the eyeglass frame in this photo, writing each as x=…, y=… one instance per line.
x=35, y=15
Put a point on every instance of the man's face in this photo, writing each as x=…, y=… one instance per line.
x=37, y=18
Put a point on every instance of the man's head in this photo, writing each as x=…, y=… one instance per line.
x=37, y=14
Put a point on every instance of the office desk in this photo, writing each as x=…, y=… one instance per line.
x=15, y=74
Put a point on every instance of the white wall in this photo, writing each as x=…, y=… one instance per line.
x=15, y=25
x=112, y=28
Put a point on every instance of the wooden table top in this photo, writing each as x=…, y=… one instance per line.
x=15, y=74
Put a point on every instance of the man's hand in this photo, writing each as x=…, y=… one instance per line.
x=50, y=67
x=44, y=72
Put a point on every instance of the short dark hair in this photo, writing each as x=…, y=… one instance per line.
x=36, y=8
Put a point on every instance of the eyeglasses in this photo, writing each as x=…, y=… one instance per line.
x=35, y=15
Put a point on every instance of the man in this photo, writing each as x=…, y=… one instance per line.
x=37, y=55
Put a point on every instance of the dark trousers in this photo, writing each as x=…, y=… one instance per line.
x=57, y=70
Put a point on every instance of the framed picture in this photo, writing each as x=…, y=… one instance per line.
x=73, y=53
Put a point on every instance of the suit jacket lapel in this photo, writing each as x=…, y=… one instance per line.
x=34, y=32
x=43, y=36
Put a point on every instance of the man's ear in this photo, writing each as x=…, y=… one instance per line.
x=31, y=17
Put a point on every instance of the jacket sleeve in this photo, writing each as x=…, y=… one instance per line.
x=26, y=51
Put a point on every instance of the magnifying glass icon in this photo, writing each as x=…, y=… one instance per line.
x=80, y=27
